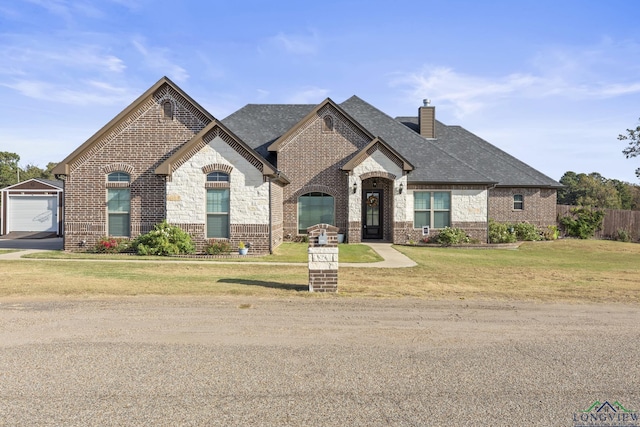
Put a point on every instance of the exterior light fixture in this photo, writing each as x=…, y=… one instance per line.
x=401, y=188
x=355, y=187
x=375, y=183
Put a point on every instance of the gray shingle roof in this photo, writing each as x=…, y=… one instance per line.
x=455, y=156
x=432, y=163
x=500, y=166
x=258, y=125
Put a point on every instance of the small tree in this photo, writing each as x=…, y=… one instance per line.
x=633, y=149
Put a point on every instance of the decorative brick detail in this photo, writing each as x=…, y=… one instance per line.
x=313, y=169
x=217, y=167
x=118, y=167
x=136, y=144
x=378, y=174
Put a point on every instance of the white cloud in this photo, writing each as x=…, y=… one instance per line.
x=296, y=44
x=79, y=93
x=159, y=60
x=309, y=95
x=588, y=73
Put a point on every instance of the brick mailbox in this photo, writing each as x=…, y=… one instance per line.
x=323, y=258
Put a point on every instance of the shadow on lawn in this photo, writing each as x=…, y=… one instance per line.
x=275, y=285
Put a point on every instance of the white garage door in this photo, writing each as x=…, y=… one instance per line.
x=33, y=213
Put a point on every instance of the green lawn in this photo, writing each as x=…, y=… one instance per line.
x=564, y=270
x=286, y=252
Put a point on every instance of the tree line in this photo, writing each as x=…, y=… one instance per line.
x=594, y=190
x=11, y=173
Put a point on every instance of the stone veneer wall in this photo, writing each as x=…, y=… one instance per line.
x=468, y=212
x=539, y=205
x=311, y=169
x=248, y=192
x=137, y=145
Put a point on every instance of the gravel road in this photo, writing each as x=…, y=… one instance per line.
x=315, y=361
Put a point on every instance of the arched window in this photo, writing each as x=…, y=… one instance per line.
x=167, y=110
x=315, y=208
x=218, y=177
x=327, y=123
x=118, y=177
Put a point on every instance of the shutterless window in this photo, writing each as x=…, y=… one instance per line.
x=314, y=208
x=118, y=210
x=167, y=110
x=118, y=177
x=518, y=202
x=431, y=208
x=218, y=177
x=218, y=213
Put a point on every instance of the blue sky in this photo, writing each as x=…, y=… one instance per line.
x=551, y=82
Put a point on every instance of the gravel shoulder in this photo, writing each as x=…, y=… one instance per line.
x=330, y=361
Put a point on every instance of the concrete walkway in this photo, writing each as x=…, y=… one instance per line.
x=392, y=258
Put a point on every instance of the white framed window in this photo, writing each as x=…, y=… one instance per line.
x=218, y=213
x=315, y=208
x=518, y=202
x=217, y=177
x=431, y=209
x=118, y=212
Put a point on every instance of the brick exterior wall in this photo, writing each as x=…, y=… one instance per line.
x=277, y=217
x=312, y=169
x=139, y=143
x=539, y=205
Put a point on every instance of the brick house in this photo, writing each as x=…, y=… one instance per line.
x=267, y=172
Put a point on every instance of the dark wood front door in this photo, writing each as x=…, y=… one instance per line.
x=372, y=214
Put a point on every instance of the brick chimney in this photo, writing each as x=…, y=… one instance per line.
x=427, y=119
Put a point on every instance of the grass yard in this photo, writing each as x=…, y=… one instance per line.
x=564, y=270
x=286, y=252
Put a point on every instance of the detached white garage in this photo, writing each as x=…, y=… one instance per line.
x=32, y=206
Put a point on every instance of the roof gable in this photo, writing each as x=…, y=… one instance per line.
x=206, y=135
x=37, y=183
x=432, y=163
x=378, y=145
x=123, y=119
x=277, y=145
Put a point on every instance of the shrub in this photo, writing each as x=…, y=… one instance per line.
x=218, y=247
x=164, y=239
x=452, y=236
x=527, y=232
x=551, y=233
x=623, y=235
x=583, y=222
x=501, y=233
x=111, y=245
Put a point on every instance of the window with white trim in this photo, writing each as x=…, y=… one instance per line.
x=431, y=208
x=518, y=202
x=218, y=213
x=315, y=208
x=118, y=211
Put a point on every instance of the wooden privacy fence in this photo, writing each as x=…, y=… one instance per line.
x=614, y=220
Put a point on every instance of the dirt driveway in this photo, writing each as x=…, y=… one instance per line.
x=312, y=362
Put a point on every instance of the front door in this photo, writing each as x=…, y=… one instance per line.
x=372, y=214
